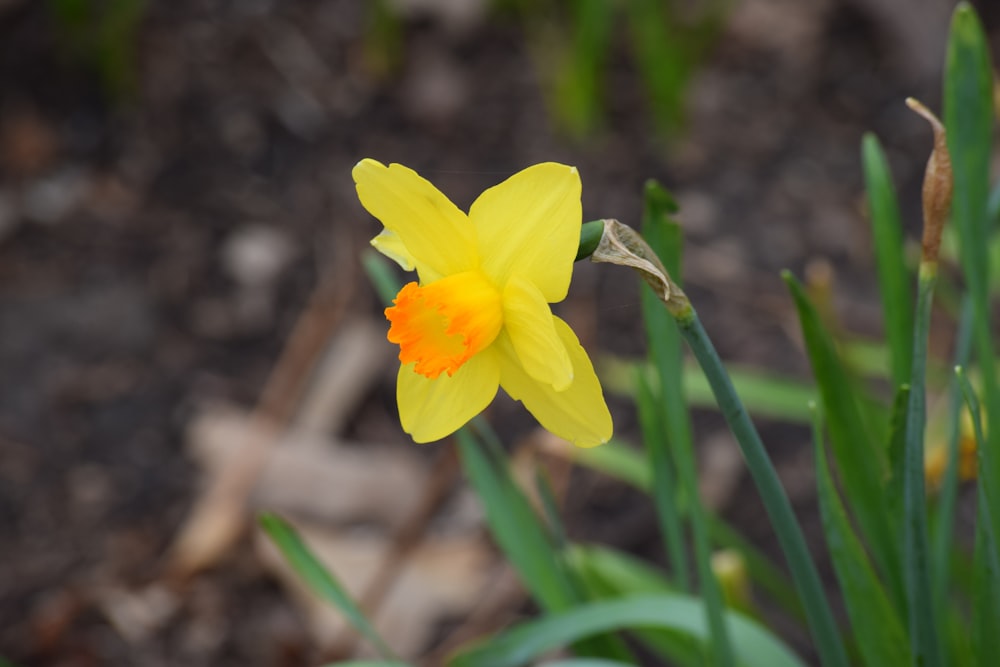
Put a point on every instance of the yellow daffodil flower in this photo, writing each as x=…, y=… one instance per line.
x=479, y=318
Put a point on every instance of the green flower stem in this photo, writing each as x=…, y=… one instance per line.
x=920, y=603
x=779, y=509
x=943, y=527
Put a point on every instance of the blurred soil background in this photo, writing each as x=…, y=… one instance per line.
x=180, y=288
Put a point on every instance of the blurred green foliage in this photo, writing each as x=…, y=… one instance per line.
x=383, y=43
x=573, y=43
x=102, y=34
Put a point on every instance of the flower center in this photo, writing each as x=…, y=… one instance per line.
x=442, y=325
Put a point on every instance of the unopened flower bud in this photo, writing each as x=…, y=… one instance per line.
x=730, y=570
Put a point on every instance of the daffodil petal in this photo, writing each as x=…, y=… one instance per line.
x=389, y=244
x=578, y=413
x=529, y=226
x=531, y=326
x=432, y=409
x=436, y=234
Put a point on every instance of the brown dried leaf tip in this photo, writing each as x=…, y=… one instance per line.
x=937, y=185
x=622, y=245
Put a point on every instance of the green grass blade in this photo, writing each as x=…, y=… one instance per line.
x=993, y=205
x=924, y=640
x=942, y=527
x=662, y=483
x=975, y=412
x=369, y=663
x=894, y=487
x=986, y=614
x=521, y=535
x=585, y=662
x=661, y=59
x=779, y=509
x=763, y=393
x=620, y=461
x=896, y=448
x=877, y=627
x=968, y=118
x=986, y=579
x=381, y=275
x=893, y=278
x=859, y=456
x=959, y=638
x=682, y=615
x=515, y=526
x=662, y=412
x=319, y=580
x=550, y=509
x=605, y=573
x=577, y=95
x=611, y=573
x=664, y=237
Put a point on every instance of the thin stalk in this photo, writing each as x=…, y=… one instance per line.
x=687, y=476
x=711, y=593
x=943, y=527
x=779, y=509
x=664, y=486
x=924, y=641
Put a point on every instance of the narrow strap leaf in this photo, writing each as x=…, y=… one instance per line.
x=876, y=624
x=318, y=579
x=682, y=614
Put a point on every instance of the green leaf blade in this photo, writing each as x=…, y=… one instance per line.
x=515, y=526
x=680, y=614
x=665, y=238
x=968, y=119
x=319, y=580
x=521, y=535
x=860, y=460
x=877, y=626
x=893, y=277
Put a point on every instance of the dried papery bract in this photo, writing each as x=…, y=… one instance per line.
x=937, y=185
x=622, y=245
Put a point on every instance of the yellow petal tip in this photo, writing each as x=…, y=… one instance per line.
x=365, y=164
